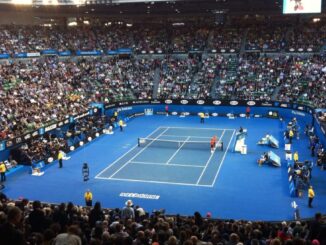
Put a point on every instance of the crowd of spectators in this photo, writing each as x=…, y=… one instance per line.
x=304, y=81
x=27, y=222
x=63, y=87
x=158, y=38
x=267, y=38
x=254, y=78
x=225, y=38
x=67, y=87
x=37, y=92
x=308, y=37
x=176, y=76
x=204, y=80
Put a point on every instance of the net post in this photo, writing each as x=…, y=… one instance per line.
x=138, y=142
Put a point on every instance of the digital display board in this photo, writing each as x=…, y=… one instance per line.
x=301, y=6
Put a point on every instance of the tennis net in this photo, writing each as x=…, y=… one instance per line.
x=196, y=145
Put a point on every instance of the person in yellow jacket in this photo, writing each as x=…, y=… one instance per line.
x=60, y=157
x=121, y=125
x=202, y=117
x=88, y=198
x=296, y=157
x=311, y=196
x=291, y=134
x=3, y=170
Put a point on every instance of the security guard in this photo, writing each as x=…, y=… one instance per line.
x=311, y=195
x=60, y=157
x=291, y=134
x=121, y=125
x=3, y=170
x=296, y=157
x=115, y=115
x=88, y=198
x=202, y=117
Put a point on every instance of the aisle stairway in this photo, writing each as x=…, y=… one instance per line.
x=156, y=82
x=230, y=76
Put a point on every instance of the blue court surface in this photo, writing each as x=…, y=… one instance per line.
x=174, y=168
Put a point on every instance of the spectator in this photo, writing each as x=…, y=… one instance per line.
x=10, y=233
x=128, y=211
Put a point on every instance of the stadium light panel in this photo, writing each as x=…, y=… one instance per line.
x=22, y=2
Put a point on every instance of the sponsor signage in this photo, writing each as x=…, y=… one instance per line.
x=112, y=52
x=123, y=103
x=168, y=101
x=81, y=115
x=20, y=55
x=234, y=102
x=35, y=133
x=298, y=113
x=64, y=53
x=139, y=114
x=128, y=106
x=51, y=127
x=251, y=103
x=4, y=56
x=139, y=102
x=49, y=52
x=88, y=53
x=217, y=102
x=27, y=136
x=200, y=102
x=139, y=195
x=125, y=108
x=34, y=54
x=155, y=102
x=266, y=104
x=109, y=106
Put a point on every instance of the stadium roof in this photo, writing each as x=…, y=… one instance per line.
x=154, y=7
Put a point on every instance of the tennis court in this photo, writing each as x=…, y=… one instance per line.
x=173, y=155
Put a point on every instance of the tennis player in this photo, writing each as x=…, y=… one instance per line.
x=213, y=143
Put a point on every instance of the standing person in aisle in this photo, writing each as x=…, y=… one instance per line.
x=202, y=117
x=3, y=170
x=167, y=110
x=60, y=157
x=121, y=125
x=311, y=196
x=248, y=112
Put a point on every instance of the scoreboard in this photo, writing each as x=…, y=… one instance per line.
x=301, y=6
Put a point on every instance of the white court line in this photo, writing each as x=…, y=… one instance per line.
x=164, y=164
x=123, y=156
x=137, y=154
x=185, y=136
x=203, y=128
x=156, y=182
x=209, y=159
x=222, y=159
x=176, y=152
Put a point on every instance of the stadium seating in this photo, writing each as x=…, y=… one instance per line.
x=226, y=67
